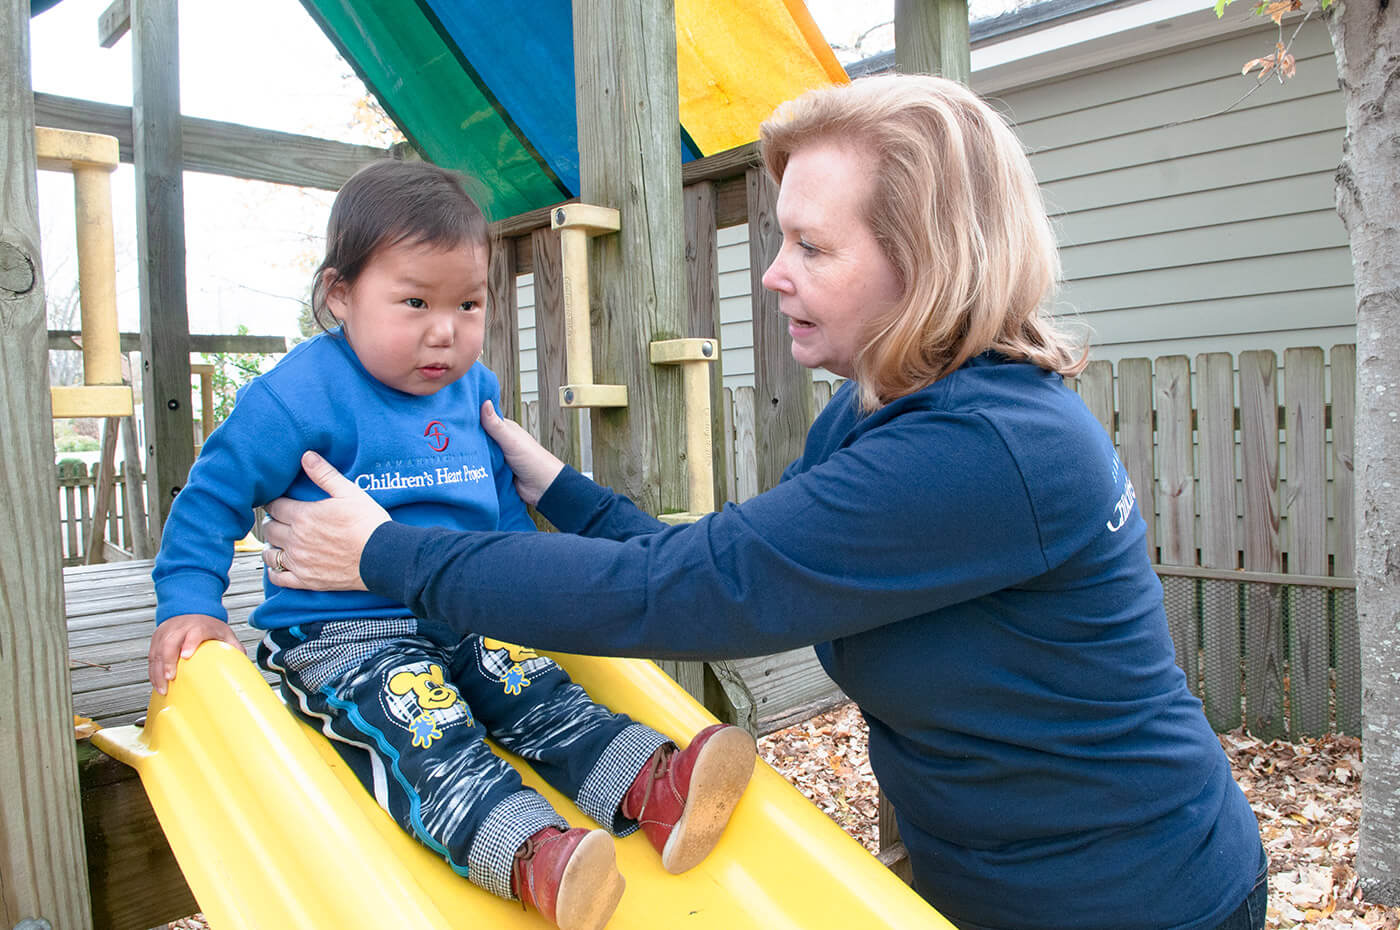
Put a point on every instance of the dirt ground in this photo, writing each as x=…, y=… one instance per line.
x=1306, y=795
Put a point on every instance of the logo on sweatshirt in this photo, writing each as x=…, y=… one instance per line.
x=1124, y=507
x=436, y=435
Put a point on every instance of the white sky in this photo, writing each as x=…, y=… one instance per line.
x=252, y=246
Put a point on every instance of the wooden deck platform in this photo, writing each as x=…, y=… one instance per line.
x=111, y=615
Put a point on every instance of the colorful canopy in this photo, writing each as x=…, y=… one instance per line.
x=486, y=87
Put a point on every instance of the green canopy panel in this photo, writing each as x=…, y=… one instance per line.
x=486, y=87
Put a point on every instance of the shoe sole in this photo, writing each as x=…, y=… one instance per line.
x=721, y=773
x=591, y=885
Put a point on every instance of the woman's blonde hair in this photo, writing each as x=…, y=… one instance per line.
x=956, y=209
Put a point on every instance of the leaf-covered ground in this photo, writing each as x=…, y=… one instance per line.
x=1306, y=795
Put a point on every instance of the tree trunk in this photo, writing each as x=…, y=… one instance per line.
x=1366, y=38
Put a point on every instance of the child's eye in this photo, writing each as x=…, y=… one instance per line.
x=416, y=303
x=468, y=305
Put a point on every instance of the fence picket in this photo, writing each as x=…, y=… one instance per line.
x=1095, y=386
x=745, y=448
x=821, y=396
x=1176, y=503
x=1220, y=619
x=1135, y=438
x=1346, y=635
x=1264, y=646
x=1308, y=645
x=730, y=445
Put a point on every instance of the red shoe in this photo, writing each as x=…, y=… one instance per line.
x=683, y=799
x=569, y=877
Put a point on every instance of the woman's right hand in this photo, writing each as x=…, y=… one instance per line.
x=177, y=638
x=535, y=466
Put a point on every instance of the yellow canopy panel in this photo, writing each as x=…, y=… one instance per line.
x=736, y=61
x=272, y=829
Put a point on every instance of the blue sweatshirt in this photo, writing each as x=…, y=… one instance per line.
x=970, y=561
x=424, y=459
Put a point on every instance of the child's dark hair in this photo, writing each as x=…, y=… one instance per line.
x=386, y=203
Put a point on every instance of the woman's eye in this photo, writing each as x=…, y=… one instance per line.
x=807, y=247
x=416, y=303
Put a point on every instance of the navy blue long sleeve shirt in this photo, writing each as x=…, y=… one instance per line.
x=972, y=568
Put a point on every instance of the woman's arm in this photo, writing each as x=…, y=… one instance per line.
x=897, y=525
x=569, y=500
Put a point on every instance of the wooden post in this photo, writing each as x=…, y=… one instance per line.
x=782, y=387
x=104, y=490
x=702, y=274
x=160, y=240
x=559, y=426
x=43, y=868
x=136, y=522
x=502, y=349
x=629, y=160
x=931, y=37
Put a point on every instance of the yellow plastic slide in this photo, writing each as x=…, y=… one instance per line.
x=273, y=831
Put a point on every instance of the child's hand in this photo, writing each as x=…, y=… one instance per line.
x=177, y=638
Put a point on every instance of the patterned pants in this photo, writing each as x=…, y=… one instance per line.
x=408, y=706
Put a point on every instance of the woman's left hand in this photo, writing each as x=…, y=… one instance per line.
x=317, y=544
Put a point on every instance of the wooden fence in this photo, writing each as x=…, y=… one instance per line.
x=1251, y=524
x=1249, y=515
x=77, y=496
x=1249, y=520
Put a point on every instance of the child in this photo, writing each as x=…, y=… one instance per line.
x=392, y=398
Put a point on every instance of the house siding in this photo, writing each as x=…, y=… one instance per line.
x=1189, y=220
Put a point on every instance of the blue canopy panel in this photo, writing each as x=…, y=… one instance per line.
x=486, y=87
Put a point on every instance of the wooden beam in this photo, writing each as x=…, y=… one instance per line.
x=114, y=23
x=726, y=168
x=62, y=340
x=228, y=149
x=43, y=869
x=702, y=278
x=160, y=246
x=931, y=37
x=135, y=879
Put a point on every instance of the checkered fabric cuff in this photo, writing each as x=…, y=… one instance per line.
x=504, y=831
x=613, y=773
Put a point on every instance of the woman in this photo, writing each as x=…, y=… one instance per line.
x=958, y=540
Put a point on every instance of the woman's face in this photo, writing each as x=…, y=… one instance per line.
x=831, y=276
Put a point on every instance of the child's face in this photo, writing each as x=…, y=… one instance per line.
x=416, y=315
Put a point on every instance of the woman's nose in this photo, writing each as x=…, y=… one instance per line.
x=774, y=279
